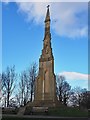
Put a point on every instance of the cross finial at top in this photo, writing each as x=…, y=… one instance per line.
x=48, y=6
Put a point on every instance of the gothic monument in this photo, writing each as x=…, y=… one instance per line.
x=45, y=84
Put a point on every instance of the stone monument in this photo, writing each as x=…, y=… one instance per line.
x=45, y=84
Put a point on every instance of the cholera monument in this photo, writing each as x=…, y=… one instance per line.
x=45, y=84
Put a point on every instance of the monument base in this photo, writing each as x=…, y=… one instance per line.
x=44, y=103
x=39, y=103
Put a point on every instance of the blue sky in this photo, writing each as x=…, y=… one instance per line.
x=23, y=34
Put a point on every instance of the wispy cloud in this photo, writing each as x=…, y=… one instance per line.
x=68, y=19
x=77, y=79
x=75, y=75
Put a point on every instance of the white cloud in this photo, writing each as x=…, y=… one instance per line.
x=68, y=19
x=75, y=75
x=33, y=11
x=77, y=79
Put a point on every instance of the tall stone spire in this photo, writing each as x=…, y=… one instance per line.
x=47, y=22
x=47, y=50
x=45, y=84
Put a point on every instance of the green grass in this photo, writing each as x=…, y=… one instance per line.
x=89, y=113
x=62, y=111
x=58, y=111
x=68, y=112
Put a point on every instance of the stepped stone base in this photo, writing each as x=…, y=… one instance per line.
x=21, y=110
x=39, y=103
x=44, y=103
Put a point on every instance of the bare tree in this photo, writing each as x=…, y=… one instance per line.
x=76, y=96
x=18, y=98
x=60, y=81
x=8, y=83
x=85, y=100
x=22, y=87
x=27, y=88
x=63, y=89
x=32, y=77
x=26, y=85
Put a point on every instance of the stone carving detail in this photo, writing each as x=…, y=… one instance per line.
x=47, y=49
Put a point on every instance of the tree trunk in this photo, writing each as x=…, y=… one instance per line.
x=60, y=95
x=8, y=99
x=60, y=98
x=65, y=100
x=31, y=96
x=5, y=101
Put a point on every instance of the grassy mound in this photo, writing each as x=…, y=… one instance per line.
x=68, y=112
x=62, y=111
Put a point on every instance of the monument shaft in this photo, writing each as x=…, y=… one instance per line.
x=45, y=84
